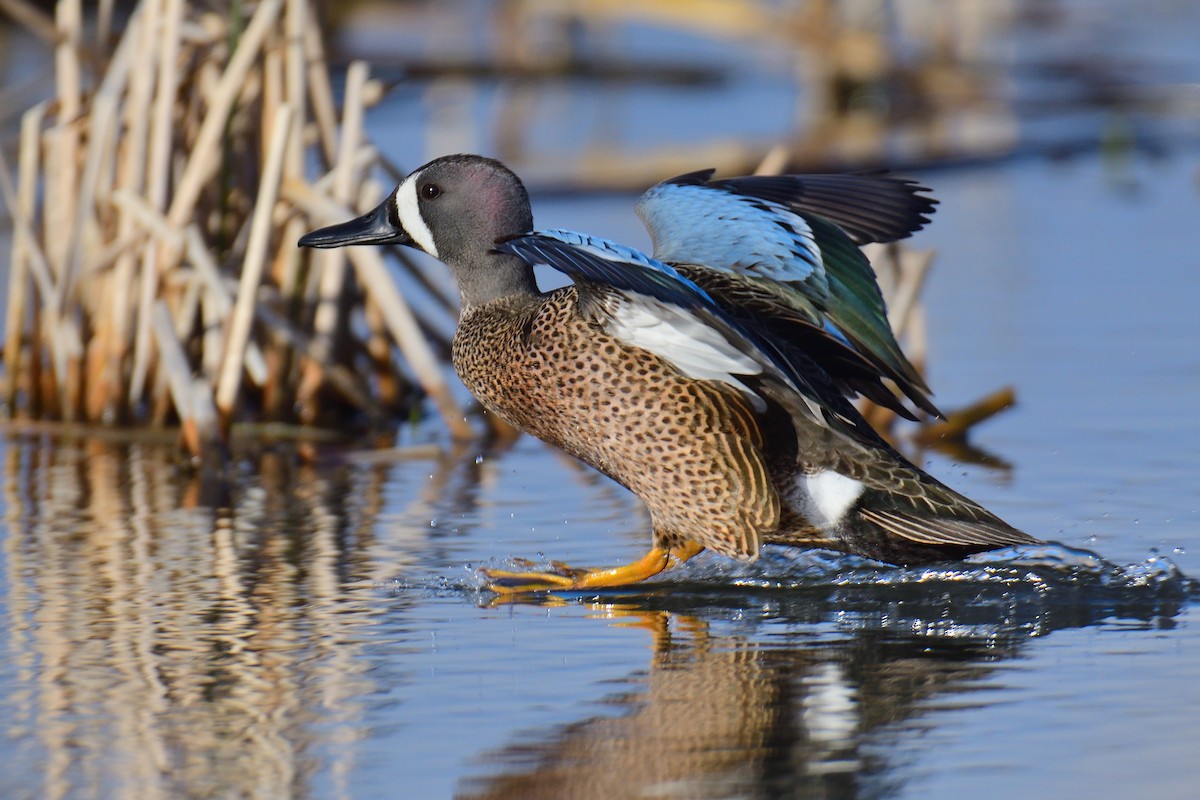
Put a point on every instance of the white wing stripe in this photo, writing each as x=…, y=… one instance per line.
x=680, y=338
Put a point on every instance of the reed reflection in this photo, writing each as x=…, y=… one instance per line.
x=168, y=648
x=787, y=704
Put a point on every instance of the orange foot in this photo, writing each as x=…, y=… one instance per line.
x=565, y=578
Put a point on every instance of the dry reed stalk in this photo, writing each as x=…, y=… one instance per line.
x=40, y=381
x=101, y=127
x=320, y=92
x=957, y=423
x=130, y=178
x=295, y=22
x=217, y=304
x=157, y=176
x=30, y=17
x=94, y=392
x=330, y=319
x=230, y=376
x=904, y=299
x=104, y=18
x=288, y=265
x=23, y=204
x=179, y=378
x=917, y=338
x=272, y=84
x=65, y=136
x=389, y=383
x=67, y=351
x=774, y=162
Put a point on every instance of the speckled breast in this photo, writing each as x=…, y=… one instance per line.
x=688, y=448
x=541, y=367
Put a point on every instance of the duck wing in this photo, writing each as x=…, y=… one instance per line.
x=797, y=237
x=648, y=304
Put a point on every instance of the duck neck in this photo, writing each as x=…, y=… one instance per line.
x=493, y=277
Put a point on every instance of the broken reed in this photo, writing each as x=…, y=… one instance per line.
x=157, y=203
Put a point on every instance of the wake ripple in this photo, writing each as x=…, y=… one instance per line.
x=1030, y=589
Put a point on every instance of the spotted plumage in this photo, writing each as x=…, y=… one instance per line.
x=722, y=406
x=554, y=373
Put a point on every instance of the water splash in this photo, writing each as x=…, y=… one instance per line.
x=1044, y=567
x=1025, y=590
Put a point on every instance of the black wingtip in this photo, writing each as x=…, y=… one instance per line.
x=869, y=206
x=700, y=176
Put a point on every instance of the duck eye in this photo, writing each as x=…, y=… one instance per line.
x=430, y=190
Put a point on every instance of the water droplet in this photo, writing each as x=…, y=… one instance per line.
x=479, y=458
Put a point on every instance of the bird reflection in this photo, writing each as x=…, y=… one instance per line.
x=799, y=712
x=158, y=624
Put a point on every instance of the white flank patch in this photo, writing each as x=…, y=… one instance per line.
x=678, y=337
x=827, y=496
x=410, y=214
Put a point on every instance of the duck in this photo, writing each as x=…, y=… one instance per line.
x=713, y=379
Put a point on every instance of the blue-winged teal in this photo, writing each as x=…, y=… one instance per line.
x=714, y=386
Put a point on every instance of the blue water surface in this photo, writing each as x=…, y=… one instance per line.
x=320, y=630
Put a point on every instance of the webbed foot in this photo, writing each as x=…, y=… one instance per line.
x=564, y=578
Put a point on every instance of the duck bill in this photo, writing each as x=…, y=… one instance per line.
x=374, y=227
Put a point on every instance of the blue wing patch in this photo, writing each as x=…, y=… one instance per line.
x=692, y=223
x=604, y=262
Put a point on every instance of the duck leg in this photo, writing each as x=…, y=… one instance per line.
x=568, y=578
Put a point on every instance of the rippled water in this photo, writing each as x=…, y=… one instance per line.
x=320, y=631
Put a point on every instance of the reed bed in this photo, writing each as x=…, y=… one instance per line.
x=157, y=199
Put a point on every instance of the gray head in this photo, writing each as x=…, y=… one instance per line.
x=454, y=208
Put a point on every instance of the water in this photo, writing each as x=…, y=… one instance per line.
x=320, y=631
